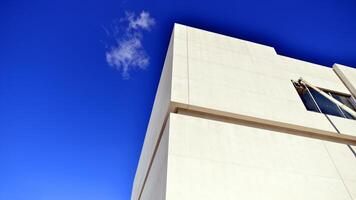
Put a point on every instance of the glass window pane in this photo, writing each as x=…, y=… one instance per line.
x=306, y=98
x=325, y=105
x=314, y=101
x=346, y=101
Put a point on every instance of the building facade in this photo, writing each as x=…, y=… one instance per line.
x=229, y=122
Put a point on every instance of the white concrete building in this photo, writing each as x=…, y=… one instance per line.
x=228, y=123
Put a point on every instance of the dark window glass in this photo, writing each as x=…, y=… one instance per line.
x=348, y=101
x=306, y=98
x=326, y=106
x=313, y=101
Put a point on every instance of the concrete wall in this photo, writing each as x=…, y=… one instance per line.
x=236, y=76
x=172, y=91
x=161, y=108
x=212, y=159
x=347, y=75
x=155, y=185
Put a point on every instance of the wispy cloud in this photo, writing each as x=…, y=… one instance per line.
x=144, y=21
x=128, y=52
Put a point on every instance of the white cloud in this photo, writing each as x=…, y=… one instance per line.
x=128, y=53
x=144, y=21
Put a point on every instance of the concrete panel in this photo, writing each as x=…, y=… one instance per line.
x=243, y=92
x=159, y=112
x=261, y=51
x=347, y=126
x=219, y=41
x=347, y=75
x=180, y=77
x=345, y=161
x=255, y=83
x=172, y=89
x=320, y=76
x=155, y=187
x=208, y=159
x=351, y=185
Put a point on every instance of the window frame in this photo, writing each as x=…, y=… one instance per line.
x=299, y=87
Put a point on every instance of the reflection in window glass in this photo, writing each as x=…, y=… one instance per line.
x=314, y=101
x=349, y=102
x=325, y=105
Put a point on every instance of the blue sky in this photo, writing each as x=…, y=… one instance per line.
x=74, y=106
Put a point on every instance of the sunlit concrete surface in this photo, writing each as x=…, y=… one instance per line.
x=227, y=123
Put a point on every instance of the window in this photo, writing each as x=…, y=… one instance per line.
x=314, y=101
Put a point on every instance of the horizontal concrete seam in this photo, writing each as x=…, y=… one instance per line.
x=269, y=125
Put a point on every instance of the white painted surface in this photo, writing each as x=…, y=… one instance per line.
x=159, y=111
x=173, y=87
x=208, y=159
x=348, y=76
x=241, y=77
x=155, y=187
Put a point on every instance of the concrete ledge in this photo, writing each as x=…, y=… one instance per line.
x=345, y=75
x=267, y=124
